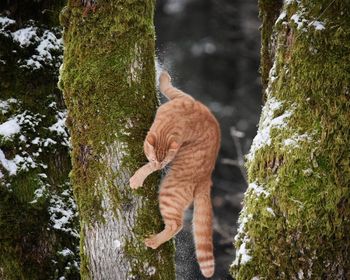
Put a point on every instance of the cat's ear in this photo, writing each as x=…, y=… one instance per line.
x=151, y=139
x=174, y=145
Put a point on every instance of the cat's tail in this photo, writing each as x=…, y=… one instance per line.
x=203, y=233
x=168, y=89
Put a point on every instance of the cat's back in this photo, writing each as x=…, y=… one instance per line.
x=196, y=118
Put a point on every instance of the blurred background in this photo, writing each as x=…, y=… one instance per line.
x=211, y=48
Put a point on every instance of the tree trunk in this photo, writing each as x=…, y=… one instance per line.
x=295, y=222
x=38, y=223
x=108, y=79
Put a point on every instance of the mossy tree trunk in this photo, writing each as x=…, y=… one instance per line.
x=38, y=223
x=295, y=222
x=108, y=79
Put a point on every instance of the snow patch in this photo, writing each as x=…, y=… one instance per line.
x=116, y=244
x=63, y=211
x=65, y=252
x=267, y=123
x=9, y=165
x=298, y=20
x=10, y=128
x=258, y=190
x=25, y=36
x=242, y=255
x=270, y=210
x=319, y=25
x=60, y=126
x=296, y=139
x=5, y=21
x=281, y=17
x=6, y=104
x=300, y=275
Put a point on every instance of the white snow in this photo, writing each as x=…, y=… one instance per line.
x=49, y=141
x=281, y=17
x=297, y=19
x=296, y=139
x=243, y=220
x=300, y=275
x=39, y=192
x=319, y=25
x=270, y=210
x=62, y=211
x=23, y=138
x=65, y=252
x=242, y=255
x=36, y=141
x=308, y=172
x=267, y=123
x=31, y=63
x=116, y=244
x=5, y=105
x=9, y=165
x=25, y=36
x=47, y=43
x=258, y=190
x=60, y=127
x=10, y=128
x=301, y=21
x=256, y=278
x=150, y=270
x=5, y=21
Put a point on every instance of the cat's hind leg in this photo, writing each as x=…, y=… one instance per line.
x=173, y=201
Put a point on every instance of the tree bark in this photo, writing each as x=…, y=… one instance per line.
x=108, y=79
x=296, y=217
x=38, y=222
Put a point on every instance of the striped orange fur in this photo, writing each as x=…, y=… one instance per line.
x=187, y=135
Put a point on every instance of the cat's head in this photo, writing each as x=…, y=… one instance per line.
x=160, y=151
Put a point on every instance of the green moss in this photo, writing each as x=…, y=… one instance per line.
x=309, y=190
x=108, y=80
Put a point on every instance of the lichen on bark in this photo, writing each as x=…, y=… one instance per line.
x=296, y=217
x=108, y=79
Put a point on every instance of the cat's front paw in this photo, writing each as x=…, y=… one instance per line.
x=136, y=181
x=164, y=78
x=152, y=242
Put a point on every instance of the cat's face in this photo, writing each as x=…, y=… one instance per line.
x=160, y=151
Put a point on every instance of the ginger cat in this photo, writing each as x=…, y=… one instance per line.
x=187, y=135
